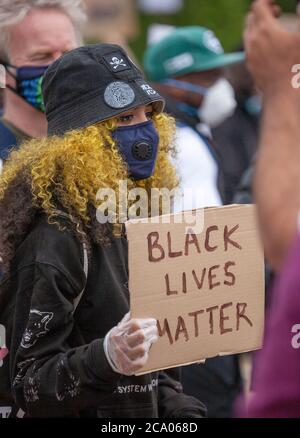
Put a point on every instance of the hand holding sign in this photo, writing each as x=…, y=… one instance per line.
x=127, y=345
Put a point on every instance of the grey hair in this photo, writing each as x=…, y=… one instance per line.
x=14, y=11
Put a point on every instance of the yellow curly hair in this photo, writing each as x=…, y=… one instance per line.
x=74, y=167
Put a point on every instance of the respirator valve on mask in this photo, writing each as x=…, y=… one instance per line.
x=142, y=151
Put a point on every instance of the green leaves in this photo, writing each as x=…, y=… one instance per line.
x=224, y=17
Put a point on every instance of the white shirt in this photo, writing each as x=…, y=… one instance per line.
x=198, y=171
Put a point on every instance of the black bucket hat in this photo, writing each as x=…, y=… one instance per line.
x=91, y=84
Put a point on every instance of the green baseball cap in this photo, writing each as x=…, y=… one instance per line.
x=186, y=50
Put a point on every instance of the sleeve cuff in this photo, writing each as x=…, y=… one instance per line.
x=99, y=364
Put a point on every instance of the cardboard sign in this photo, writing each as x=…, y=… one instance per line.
x=206, y=290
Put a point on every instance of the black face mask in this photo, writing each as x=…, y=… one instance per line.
x=28, y=84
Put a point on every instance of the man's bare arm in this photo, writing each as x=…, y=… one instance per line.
x=271, y=53
x=277, y=182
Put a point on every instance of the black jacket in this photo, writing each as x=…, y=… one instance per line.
x=58, y=366
x=236, y=141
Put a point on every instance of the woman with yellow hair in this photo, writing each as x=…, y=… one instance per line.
x=73, y=347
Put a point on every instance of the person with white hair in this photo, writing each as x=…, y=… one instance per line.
x=33, y=34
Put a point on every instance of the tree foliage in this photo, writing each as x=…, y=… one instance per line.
x=225, y=17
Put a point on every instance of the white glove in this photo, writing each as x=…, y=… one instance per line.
x=127, y=345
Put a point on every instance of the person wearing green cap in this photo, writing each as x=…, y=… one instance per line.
x=187, y=68
x=187, y=50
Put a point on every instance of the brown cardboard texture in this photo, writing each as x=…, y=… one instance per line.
x=206, y=290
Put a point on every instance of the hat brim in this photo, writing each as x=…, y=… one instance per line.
x=220, y=61
x=93, y=110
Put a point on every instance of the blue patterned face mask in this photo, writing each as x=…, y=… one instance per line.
x=138, y=145
x=28, y=84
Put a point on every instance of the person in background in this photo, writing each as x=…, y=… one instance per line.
x=186, y=66
x=237, y=137
x=272, y=53
x=1, y=98
x=6, y=137
x=28, y=45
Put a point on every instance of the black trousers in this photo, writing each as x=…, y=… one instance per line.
x=217, y=384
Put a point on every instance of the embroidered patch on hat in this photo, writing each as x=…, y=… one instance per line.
x=148, y=89
x=179, y=62
x=118, y=95
x=117, y=62
x=212, y=43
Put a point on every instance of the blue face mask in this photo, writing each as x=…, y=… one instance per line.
x=138, y=145
x=29, y=83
